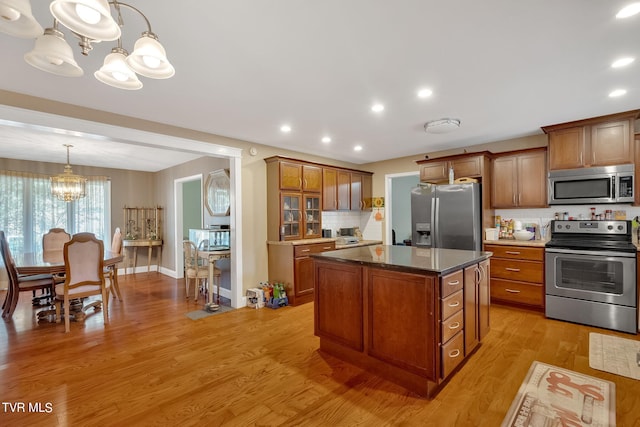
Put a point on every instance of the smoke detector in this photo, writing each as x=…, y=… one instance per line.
x=441, y=125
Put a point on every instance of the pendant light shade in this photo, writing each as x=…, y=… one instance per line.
x=89, y=18
x=67, y=186
x=149, y=58
x=17, y=20
x=53, y=55
x=115, y=71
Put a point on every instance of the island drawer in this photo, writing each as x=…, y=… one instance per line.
x=524, y=271
x=515, y=252
x=452, y=354
x=304, y=250
x=452, y=326
x=517, y=292
x=451, y=283
x=451, y=304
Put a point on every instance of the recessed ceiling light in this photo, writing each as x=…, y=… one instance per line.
x=326, y=139
x=285, y=128
x=617, y=92
x=425, y=93
x=376, y=108
x=629, y=10
x=622, y=62
x=357, y=148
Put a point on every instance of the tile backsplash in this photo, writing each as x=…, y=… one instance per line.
x=370, y=228
x=544, y=215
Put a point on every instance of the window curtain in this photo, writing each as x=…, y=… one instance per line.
x=29, y=210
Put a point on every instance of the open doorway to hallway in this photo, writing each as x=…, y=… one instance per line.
x=398, y=201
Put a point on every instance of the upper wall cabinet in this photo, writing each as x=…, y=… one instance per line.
x=297, y=176
x=298, y=191
x=464, y=166
x=519, y=179
x=600, y=141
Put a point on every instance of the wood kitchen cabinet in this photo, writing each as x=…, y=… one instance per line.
x=469, y=165
x=599, y=141
x=476, y=304
x=517, y=275
x=464, y=165
x=636, y=201
x=294, y=200
x=519, y=179
x=292, y=266
x=361, y=191
x=344, y=190
x=298, y=176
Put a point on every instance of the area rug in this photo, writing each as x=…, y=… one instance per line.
x=616, y=355
x=553, y=396
x=201, y=314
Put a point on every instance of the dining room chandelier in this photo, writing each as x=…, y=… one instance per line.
x=91, y=21
x=67, y=186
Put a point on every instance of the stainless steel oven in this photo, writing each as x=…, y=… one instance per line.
x=590, y=274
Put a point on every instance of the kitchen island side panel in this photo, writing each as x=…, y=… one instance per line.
x=338, y=308
x=401, y=313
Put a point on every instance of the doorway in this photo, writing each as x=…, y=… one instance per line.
x=398, y=201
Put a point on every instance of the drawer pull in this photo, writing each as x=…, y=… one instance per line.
x=454, y=353
x=454, y=283
x=305, y=250
x=513, y=252
x=455, y=325
x=327, y=247
x=455, y=304
x=512, y=269
x=513, y=291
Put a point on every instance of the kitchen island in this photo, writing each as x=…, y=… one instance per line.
x=408, y=314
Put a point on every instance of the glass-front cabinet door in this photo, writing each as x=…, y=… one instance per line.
x=291, y=221
x=312, y=216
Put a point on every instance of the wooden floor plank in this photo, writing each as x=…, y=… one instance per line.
x=154, y=366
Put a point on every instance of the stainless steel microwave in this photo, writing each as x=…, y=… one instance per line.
x=605, y=184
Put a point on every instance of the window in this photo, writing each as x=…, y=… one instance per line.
x=29, y=210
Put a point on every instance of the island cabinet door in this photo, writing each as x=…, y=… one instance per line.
x=338, y=305
x=401, y=320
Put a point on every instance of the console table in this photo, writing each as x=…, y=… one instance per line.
x=135, y=244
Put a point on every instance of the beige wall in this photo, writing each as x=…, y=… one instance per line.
x=126, y=185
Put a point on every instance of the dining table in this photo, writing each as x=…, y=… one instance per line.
x=212, y=255
x=52, y=262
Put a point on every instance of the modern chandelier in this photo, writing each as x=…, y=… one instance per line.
x=67, y=186
x=90, y=21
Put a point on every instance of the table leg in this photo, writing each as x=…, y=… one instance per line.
x=159, y=258
x=135, y=258
x=150, y=252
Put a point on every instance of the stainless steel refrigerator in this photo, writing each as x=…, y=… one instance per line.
x=447, y=216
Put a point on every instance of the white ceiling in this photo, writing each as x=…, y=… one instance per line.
x=244, y=68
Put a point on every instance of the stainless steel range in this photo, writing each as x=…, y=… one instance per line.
x=590, y=274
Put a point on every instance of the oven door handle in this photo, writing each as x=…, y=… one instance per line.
x=592, y=253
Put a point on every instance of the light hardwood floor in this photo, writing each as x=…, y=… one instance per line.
x=154, y=366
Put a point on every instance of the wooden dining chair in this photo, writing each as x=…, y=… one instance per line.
x=20, y=283
x=55, y=239
x=84, y=276
x=112, y=270
x=196, y=269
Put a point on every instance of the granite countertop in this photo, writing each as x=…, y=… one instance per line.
x=510, y=242
x=407, y=258
x=324, y=240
